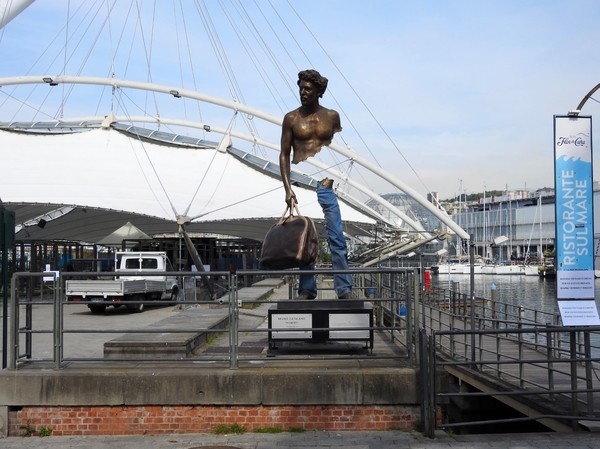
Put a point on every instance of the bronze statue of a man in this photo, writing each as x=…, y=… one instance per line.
x=304, y=131
x=308, y=128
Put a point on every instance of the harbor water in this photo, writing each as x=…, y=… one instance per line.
x=537, y=295
x=532, y=292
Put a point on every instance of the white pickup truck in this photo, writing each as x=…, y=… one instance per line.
x=128, y=284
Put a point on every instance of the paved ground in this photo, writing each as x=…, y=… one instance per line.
x=312, y=440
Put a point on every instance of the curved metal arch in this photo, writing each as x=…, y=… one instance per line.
x=180, y=92
x=250, y=138
x=587, y=97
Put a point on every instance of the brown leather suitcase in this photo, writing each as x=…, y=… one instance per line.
x=290, y=243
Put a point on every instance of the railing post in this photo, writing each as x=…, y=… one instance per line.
x=520, y=340
x=494, y=312
x=588, y=372
x=427, y=383
x=58, y=331
x=14, y=324
x=233, y=322
x=550, y=356
x=573, y=363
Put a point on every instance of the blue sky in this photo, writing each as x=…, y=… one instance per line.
x=434, y=92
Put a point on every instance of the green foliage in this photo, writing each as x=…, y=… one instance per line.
x=229, y=429
x=45, y=431
x=296, y=429
x=28, y=431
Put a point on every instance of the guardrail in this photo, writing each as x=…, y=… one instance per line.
x=518, y=353
x=392, y=293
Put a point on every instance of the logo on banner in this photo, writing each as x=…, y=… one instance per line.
x=574, y=147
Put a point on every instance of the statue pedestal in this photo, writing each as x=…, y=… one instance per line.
x=320, y=322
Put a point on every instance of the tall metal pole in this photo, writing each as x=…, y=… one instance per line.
x=4, y=303
x=472, y=292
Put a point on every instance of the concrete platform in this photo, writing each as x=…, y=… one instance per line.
x=270, y=282
x=169, y=344
x=258, y=293
x=299, y=375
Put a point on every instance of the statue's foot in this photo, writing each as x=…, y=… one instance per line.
x=304, y=296
x=346, y=296
x=327, y=183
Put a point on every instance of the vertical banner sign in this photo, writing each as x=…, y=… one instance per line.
x=574, y=207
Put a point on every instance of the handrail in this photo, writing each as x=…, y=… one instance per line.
x=391, y=285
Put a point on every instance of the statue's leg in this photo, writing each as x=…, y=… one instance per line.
x=307, y=285
x=335, y=236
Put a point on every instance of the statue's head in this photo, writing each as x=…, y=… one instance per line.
x=314, y=77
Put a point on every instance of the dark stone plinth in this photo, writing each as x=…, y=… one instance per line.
x=320, y=322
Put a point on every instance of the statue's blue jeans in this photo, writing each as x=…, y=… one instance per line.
x=342, y=282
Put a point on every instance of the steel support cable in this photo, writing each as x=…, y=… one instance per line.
x=366, y=107
x=189, y=54
x=249, y=124
x=240, y=95
x=66, y=96
x=112, y=64
x=179, y=57
x=264, y=45
x=258, y=195
x=208, y=168
x=147, y=52
x=226, y=67
x=204, y=17
x=56, y=37
x=345, y=79
x=153, y=169
x=255, y=61
x=267, y=50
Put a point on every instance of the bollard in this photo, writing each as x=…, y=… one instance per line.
x=455, y=292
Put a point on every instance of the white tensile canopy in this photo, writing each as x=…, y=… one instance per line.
x=82, y=186
x=125, y=232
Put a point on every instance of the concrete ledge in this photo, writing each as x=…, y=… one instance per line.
x=254, y=293
x=168, y=344
x=269, y=282
x=137, y=385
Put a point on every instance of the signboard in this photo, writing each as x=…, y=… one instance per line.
x=289, y=322
x=574, y=207
x=579, y=313
x=359, y=320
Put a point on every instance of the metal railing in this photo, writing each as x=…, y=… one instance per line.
x=38, y=316
x=516, y=352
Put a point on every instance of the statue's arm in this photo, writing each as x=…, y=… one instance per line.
x=284, y=158
x=335, y=120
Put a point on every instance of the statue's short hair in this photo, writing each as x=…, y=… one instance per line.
x=314, y=77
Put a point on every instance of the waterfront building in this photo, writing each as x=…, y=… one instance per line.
x=527, y=219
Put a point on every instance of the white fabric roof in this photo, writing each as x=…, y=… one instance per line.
x=110, y=178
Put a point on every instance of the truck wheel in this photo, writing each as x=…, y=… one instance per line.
x=137, y=308
x=174, y=294
x=97, y=309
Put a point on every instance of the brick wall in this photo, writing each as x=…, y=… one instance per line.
x=131, y=420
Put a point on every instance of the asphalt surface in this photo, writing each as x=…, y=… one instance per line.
x=312, y=440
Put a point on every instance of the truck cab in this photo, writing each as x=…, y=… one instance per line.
x=130, y=265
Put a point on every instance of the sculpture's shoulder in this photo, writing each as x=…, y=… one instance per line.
x=333, y=117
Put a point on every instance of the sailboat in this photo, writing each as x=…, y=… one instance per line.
x=533, y=269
